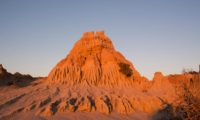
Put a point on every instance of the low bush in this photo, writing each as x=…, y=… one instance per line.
x=125, y=69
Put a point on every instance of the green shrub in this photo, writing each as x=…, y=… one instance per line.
x=125, y=69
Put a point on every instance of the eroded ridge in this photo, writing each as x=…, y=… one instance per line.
x=94, y=61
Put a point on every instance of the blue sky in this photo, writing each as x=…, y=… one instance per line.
x=156, y=35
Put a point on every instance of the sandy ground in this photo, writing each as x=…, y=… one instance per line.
x=78, y=116
x=25, y=104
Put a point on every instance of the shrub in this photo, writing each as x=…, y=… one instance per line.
x=125, y=69
x=190, y=71
x=187, y=104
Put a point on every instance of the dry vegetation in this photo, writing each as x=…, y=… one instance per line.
x=187, y=105
x=125, y=69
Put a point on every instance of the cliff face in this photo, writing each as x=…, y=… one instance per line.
x=94, y=61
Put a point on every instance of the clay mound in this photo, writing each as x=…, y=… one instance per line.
x=95, y=78
x=94, y=61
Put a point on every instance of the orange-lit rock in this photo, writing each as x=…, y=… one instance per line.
x=93, y=61
x=95, y=78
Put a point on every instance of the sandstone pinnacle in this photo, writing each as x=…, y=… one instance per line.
x=94, y=61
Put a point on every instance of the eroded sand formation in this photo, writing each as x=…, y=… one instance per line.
x=93, y=78
x=93, y=61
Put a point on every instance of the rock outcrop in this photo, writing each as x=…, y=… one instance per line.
x=94, y=61
x=100, y=79
x=5, y=77
x=94, y=77
x=17, y=79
